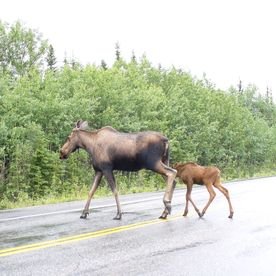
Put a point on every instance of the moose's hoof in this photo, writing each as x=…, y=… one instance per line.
x=231, y=215
x=164, y=214
x=118, y=217
x=84, y=215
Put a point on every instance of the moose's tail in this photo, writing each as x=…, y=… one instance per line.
x=166, y=154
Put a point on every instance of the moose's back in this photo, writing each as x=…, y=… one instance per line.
x=129, y=151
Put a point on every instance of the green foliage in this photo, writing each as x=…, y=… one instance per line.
x=21, y=49
x=233, y=130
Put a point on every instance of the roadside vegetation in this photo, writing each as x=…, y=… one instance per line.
x=40, y=101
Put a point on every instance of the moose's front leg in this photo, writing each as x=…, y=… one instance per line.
x=96, y=182
x=211, y=198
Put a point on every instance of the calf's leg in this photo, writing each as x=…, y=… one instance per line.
x=226, y=194
x=211, y=198
x=189, y=198
x=96, y=182
x=188, y=194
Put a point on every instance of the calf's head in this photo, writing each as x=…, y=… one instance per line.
x=176, y=165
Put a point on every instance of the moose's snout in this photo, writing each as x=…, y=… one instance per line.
x=62, y=155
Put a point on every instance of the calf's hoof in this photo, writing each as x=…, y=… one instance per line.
x=231, y=215
x=201, y=214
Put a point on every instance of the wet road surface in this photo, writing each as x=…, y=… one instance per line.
x=52, y=240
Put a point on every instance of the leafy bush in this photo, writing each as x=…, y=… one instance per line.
x=233, y=130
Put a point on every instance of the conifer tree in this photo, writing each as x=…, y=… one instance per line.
x=104, y=65
x=240, y=86
x=51, y=59
x=117, y=51
x=133, y=57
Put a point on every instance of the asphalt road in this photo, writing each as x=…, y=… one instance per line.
x=52, y=240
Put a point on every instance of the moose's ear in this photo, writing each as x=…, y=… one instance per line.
x=81, y=124
x=78, y=123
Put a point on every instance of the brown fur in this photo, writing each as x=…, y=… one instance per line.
x=192, y=173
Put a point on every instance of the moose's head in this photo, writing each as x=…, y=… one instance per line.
x=72, y=143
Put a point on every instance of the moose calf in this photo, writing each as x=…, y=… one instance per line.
x=191, y=173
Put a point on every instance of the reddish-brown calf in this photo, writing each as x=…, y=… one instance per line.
x=191, y=173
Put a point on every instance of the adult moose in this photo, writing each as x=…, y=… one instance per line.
x=191, y=173
x=112, y=150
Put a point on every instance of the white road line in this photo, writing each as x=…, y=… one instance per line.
x=80, y=209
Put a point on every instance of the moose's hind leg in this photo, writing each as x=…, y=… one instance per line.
x=112, y=183
x=170, y=174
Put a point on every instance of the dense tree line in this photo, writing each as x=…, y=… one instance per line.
x=39, y=103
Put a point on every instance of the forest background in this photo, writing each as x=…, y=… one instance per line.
x=40, y=102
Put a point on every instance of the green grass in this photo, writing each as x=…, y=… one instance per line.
x=127, y=184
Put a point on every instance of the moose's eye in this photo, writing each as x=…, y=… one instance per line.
x=69, y=138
